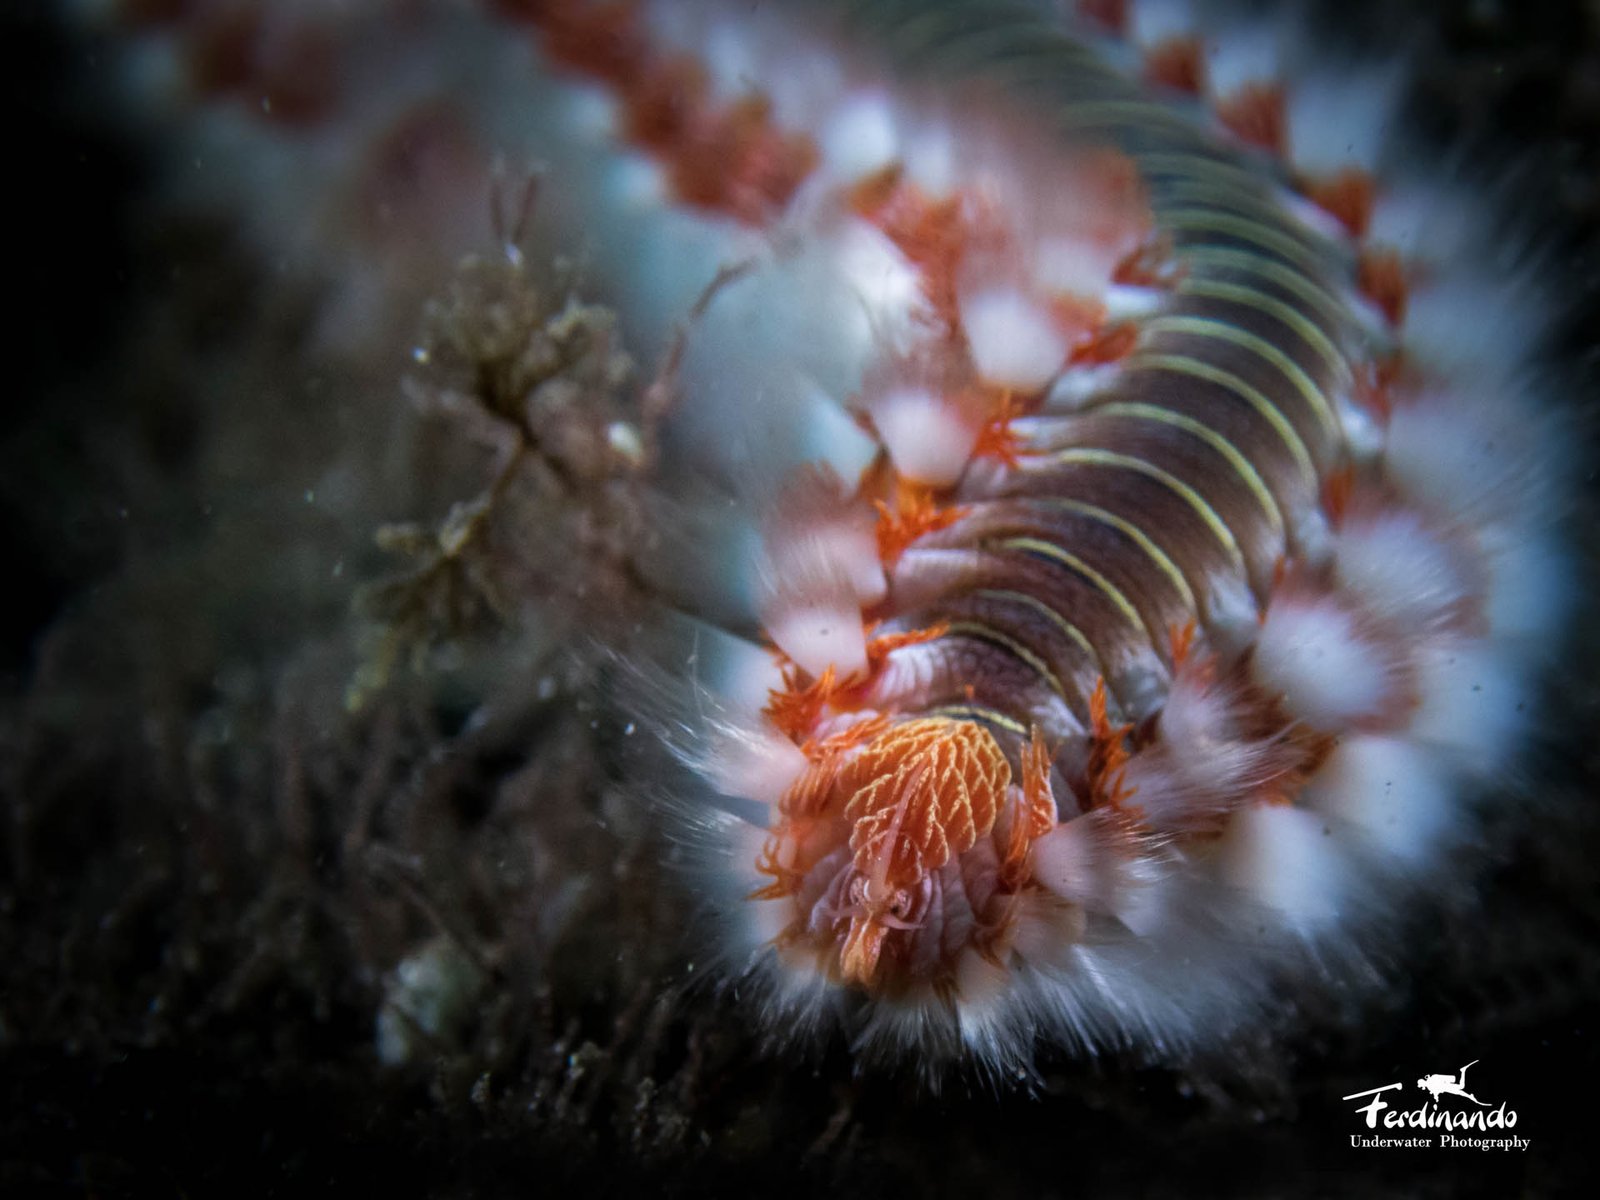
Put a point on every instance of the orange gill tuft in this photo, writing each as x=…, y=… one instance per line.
x=915, y=796
x=919, y=795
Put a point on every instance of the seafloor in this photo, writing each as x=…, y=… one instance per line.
x=214, y=868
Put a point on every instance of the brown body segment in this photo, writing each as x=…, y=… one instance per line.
x=1111, y=547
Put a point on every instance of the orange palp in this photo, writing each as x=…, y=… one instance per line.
x=923, y=792
x=907, y=801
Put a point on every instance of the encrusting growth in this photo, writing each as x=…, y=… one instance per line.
x=518, y=366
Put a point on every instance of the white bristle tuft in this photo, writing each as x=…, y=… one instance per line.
x=851, y=552
x=818, y=638
x=1204, y=760
x=1393, y=791
x=981, y=989
x=927, y=438
x=1424, y=222
x=1312, y=656
x=1341, y=121
x=1074, y=860
x=1091, y=863
x=805, y=92
x=1244, y=56
x=1466, y=455
x=758, y=766
x=1013, y=341
x=595, y=115
x=1286, y=858
x=1073, y=265
x=860, y=136
x=889, y=307
x=1048, y=929
x=1310, y=534
x=830, y=437
x=1074, y=389
x=1152, y=22
x=1532, y=584
x=638, y=184
x=1230, y=612
x=1124, y=302
x=744, y=675
x=1474, y=702
x=929, y=156
x=1402, y=570
x=1448, y=330
x=820, y=541
x=730, y=54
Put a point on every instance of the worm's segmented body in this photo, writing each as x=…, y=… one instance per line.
x=1155, y=522
x=1158, y=651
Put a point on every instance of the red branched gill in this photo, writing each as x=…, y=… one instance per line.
x=899, y=856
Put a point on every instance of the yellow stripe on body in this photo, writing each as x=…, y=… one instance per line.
x=1055, y=553
x=1262, y=302
x=1087, y=456
x=1122, y=525
x=1183, y=364
x=1241, y=465
x=1070, y=631
x=1305, y=288
x=987, y=633
x=978, y=712
x=1245, y=340
x=1252, y=232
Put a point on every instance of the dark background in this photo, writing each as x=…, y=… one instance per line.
x=210, y=867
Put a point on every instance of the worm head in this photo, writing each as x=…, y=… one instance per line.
x=897, y=854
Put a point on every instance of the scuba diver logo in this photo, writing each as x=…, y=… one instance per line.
x=1432, y=1115
x=1439, y=1085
